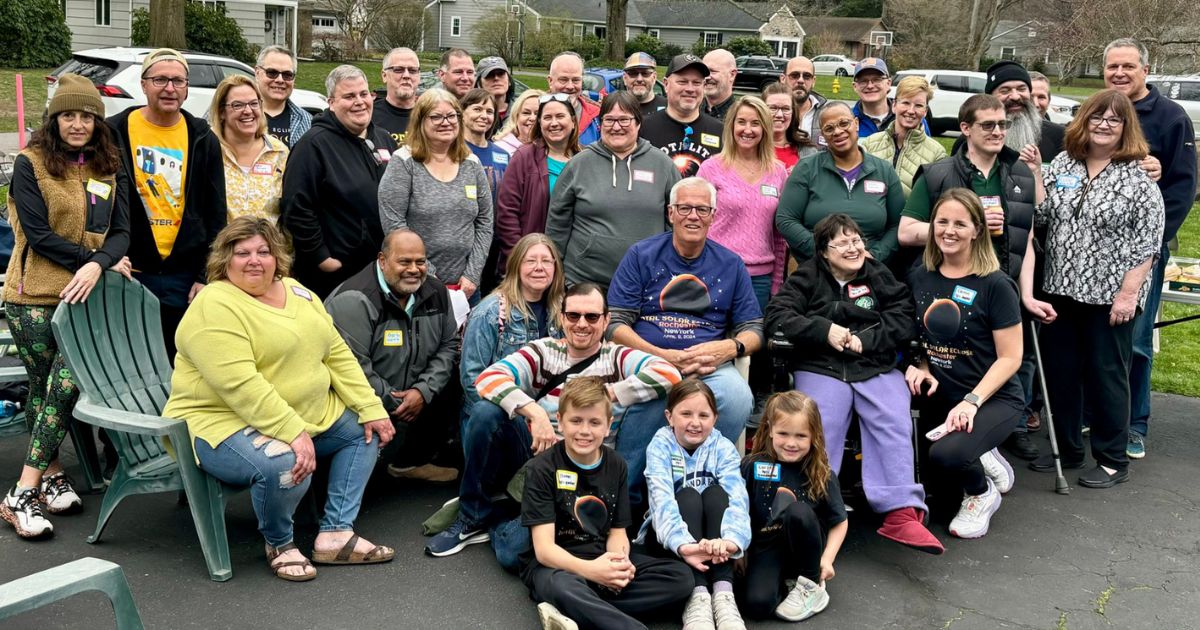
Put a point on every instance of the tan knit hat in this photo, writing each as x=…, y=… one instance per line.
x=162, y=54
x=75, y=93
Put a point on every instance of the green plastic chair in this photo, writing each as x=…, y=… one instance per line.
x=114, y=347
x=52, y=585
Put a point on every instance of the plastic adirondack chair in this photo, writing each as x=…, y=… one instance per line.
x=52, y=585
x=114, y=347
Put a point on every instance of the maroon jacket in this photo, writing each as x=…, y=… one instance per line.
x=523, y=198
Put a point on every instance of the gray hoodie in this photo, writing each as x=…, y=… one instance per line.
x=602, y=205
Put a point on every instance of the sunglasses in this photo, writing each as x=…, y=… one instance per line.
x=558, y=96
x=273, y=74
x=591, y=318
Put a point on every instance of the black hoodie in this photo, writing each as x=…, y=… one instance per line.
x=330, y=200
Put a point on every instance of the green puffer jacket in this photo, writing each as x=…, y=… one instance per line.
x=919, y=150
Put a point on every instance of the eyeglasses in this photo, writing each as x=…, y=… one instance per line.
x=701, y=211
x=853, y=243
x=557, y=96
x=414, y=70
x=779, y=109
x=160, y=82
x=273, y=74
x=801, y=76
x=991, y=125
x=622, y=121
x=841, y=125
x=591, y=318
x=1112, y=121
x=871, y=81
x=438, y=119
x=644, y=72
x=238, y=106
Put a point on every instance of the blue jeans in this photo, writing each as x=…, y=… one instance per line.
x=249, y=458
x=495, y=447
x=762, y=289
x=1143, y=351
x=641, y=422
x=509, y=539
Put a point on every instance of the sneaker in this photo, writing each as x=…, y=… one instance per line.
x=806, y=599
x=58, y=494
x=976, y=513
x=23, y=510
x=698, y=615
x=1136, y=449
x=424, y=472
x=998, y=470
x=725, y=612
x=460, y=534
x=552, y=619
x=1099, y=478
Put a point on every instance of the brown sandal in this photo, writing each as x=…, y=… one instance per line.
x=347, y=554
x=275, y=552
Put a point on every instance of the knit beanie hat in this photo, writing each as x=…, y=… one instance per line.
x=75, y=93
x=1004, y=71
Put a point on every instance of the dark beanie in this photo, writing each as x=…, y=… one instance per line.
x=1004, y=71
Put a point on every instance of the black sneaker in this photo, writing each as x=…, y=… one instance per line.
x=1045, y=463
x=1099, y=478
x=1020, y=445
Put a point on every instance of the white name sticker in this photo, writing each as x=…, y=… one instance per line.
x=384, y=155
x=643, y=176
x=472, y=193
x=768, y=190
x=1066, y=181
x=874, y=187
x=499, y=157
x=990, y=201
x=963, y=295
x=857, y=290
x=262, y=168
x=709, y=140
x=766, y=471
x=302, y=292
x=98, y=188
x=567, y=480
x=393, y=338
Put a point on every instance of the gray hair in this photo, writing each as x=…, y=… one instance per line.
x=1034, y=75
x=1129, y=42
x=272, y=49
x=396, y=51
x=694, y=182
x=344, y=72
x=569, y=53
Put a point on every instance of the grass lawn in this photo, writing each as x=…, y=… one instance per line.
x=35, y=97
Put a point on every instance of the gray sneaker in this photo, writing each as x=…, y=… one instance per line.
x=725, y=612
x=806, y=599
x=698, y=615
x=552, y=619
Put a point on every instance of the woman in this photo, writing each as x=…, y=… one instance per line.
x=791, y=144
x=479, y=116
x=1104, y=220
x=266, y=386
x=524, y=196
x=492, y=75
x=847, y=316
x=903, y=142
x=67, y=207
x=969, y=321
x=436, y=187
x=610, y=196
x=842, y=179
x=254, y=160
x=748, y=179
x=517, y=130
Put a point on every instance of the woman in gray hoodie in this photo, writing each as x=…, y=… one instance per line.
x=611, y=195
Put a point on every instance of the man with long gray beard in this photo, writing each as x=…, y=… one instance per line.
x=1009, y=81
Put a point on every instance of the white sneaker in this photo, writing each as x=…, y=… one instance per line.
x=23, y=511
x=725, y=612
x=806, y=599
x=552, y=619
x=998, y=470
x=976, y=513
x=59, y=495
x=698, y=615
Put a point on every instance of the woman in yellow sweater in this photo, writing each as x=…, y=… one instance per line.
x=266, y=386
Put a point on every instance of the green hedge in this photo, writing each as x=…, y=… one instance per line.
x=35, y=34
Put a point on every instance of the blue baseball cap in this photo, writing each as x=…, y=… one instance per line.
x=871, y=63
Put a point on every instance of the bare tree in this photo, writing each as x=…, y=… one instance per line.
x=166, y=24
x=982, y=16
x=356, y=18
x=615, y=23
x=495, y=35
x=402, y=26
x=1080, y=29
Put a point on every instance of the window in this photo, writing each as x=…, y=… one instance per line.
x=1008, y=53
x=952, y=83
x=203, y=75
x=975, y=85
x=1189, y=91
x=711, y=39
x=103, y=12
x=653, y=33
x=600, y=31
x=323, y=22
x=455, y=26
x=578, y=30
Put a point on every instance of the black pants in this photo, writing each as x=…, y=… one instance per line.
x=429, y=436
x=659, y=586
x=702, y=512
x=958, y=453
x=1087, y=371
x=780, y=552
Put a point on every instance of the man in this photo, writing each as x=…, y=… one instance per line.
x=493, y=75
x=874, y=109
x=1013, y=85
x=400, y=326
x=566, y=77
x=687, y=135
x=688, y=300
x=457, y=72
x=641, y=75
x=401, y=76
x=800, y=76
x=275, y=73
x=1039, y=88
x=718, y=86
x=177, y=204
x=330, y=199
x=519, y=397
x=1169, y=133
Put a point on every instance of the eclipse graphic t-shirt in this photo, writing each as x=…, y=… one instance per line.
x=687, y=144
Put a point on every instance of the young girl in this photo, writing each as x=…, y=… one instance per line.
x=795, y=509
x=698, y=503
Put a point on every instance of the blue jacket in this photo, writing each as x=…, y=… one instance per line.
x=488, y=340
x=1172, y=140
x=867, y=126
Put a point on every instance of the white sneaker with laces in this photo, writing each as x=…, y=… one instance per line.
x=976, y=513
x=552, y=619
x=806, y=599
x=725, y=612
x=59, y=494
x=998, y=470
x=698, y=615
x=23, y=510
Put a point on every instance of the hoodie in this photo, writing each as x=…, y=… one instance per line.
x=602, y=205
x=1171, y=138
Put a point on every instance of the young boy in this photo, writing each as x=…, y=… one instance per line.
x=576, y=504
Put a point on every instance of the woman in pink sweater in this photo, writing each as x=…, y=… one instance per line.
x=748, y=179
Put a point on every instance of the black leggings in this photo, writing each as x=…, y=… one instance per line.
x=780, y=552
x=958, y=453
x=703, y=513
x=659, y=587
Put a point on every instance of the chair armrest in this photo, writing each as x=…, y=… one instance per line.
x=13, y=374
x=128, y=421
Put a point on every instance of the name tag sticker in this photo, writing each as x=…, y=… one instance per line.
x=263, y=168
x=766, y=471
x=98, y=188
x=643, y=176
x=963, y=295
x=769, y=191
x=393, y=338
x=384, y=155
x=857, y=290
x=990, y=201
x=710, y=140
x=1066, y=181
x=874, y=187
x=472, y=193
x=566, y=479
x=302, y=292
x=499, y=157
x=677, y=465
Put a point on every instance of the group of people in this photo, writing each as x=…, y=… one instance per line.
x=315, y=276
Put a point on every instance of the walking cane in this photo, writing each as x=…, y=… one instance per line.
x=1060, y=482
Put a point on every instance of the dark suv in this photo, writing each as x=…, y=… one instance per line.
x=755, y=72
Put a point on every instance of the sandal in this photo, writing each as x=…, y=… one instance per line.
x=347, y=554
x=277, y=568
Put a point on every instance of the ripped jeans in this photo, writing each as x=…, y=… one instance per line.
x=248, y=458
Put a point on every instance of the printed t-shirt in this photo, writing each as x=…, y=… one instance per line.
x=764, y=478
x=494, y=160
x=391, y=119
x=280, y=127
x=687, y=144
x=160, y=171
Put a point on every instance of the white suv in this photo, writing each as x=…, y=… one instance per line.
x=1182, y=90
x=117, y=72
x=953, y=87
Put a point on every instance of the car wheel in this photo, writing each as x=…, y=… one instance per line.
x=841, y=72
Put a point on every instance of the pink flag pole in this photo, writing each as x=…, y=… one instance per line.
x=20, y=113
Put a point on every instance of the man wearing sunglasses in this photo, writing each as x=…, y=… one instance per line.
x=275, y=73
x=641, y=75
x=401, y=75
x=800, y=76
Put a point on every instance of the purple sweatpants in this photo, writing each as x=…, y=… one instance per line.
x=882, y=404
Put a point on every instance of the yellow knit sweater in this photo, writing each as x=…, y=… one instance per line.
x=242, y=363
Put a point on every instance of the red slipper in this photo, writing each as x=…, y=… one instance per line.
x=904, y=526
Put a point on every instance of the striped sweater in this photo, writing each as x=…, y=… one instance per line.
x=513, y=381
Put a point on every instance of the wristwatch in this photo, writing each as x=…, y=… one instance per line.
x=972, y=398
x=741, y=348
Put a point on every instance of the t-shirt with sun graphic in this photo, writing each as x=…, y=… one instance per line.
x=687, y=144
x=956, y=318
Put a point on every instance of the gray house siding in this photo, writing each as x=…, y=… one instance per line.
x=85, y=34
x=250, y=16
x=471, y=12
x=686, y=37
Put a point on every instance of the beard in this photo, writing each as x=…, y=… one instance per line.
x=1024, y=127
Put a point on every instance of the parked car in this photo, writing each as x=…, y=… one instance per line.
x=598, y=82
x=1184, y=90
x=838, y=65
x=953, y=87
x=756, y=72
x=117, y=73
x=429, y=79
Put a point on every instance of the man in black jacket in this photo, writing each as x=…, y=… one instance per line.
x=330, y=188
x=177, y=204
x=400, y=325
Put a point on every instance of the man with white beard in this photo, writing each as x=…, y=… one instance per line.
x=1009, y=81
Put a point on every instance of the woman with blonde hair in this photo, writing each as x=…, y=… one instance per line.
x=517, y=130
x=254, y=160
x=903, y=142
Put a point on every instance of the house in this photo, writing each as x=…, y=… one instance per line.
x=1025, y=41
x=105, y=23
x=849, y=35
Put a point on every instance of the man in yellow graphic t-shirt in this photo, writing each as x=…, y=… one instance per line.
x=159, y=156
